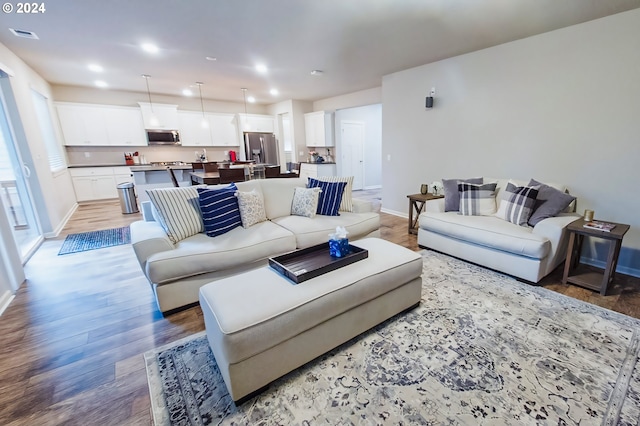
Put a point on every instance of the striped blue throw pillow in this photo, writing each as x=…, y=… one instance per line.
x=219, y=207
x=330, y=197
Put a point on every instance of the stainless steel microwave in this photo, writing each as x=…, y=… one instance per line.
x=163, y=137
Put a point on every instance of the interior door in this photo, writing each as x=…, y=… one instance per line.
x=352, y=147
x=15, y=194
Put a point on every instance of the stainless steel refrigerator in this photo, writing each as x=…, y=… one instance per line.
x=261, y=147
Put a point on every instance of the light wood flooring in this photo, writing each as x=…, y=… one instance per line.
x=72, y=341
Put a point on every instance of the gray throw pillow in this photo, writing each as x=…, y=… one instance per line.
x=451, y=194
x=549, y=203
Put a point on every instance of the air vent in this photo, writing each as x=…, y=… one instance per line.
x=24, y=34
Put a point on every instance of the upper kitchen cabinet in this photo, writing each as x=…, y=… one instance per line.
x=82, y=125
x=256, y=123
x=125, y=127
x=100, y=125
x=224, y=131
x=218, y=130
x=192, y=131
x=159, y=116
x=318, y=128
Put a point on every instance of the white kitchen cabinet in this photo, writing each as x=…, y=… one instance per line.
x=192, y=133
x=94, y=188
x=159, y=116
x=221, y=129
x=125, y=127
x=98, y=183
x=101, y=125
x=256, y=123
x=224, y=131
x=83, y=125
x=315, y=170
x=122, y=175
x=318, y=128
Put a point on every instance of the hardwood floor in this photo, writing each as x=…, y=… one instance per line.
x=73, y=338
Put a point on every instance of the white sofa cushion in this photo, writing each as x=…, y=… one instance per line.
x=314, y=231
x=488, y=231
x=200, y=254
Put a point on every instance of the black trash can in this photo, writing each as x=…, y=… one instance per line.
x=127, y=196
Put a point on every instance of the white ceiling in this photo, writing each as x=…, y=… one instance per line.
x=355, y=42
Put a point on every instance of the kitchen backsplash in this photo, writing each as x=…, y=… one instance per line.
x=88, y=155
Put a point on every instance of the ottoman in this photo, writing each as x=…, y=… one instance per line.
x=261, y=326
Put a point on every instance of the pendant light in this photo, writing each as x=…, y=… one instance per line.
x=246, y=119
x=204, y=122
x=153, y=120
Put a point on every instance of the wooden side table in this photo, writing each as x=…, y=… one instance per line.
x=589, y=278
x=416, y=206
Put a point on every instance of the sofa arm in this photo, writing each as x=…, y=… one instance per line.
x=362, y=206
x=148, y=238
x=553, y=227
x=434, y=206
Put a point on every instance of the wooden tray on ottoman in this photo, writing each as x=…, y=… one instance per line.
x=304, y=264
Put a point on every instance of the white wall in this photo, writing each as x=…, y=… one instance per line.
x=350, y=100
x=56, y=191
x=562, y=106
x=371, y=117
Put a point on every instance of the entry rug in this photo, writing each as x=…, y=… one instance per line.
x=85, y=241
x=481, y=349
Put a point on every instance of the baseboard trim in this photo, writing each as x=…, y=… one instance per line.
x=372, y=187
x=62, y=223
x=5, y=300
x=395, y=213
x=620, y=269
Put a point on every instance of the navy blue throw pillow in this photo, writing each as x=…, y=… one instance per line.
x=219, y=208
x=330, y=197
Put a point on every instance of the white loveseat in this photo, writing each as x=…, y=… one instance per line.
x=176, y=271
x=529, y=253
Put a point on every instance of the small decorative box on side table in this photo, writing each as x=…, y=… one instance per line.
x=416, y=205
x=574, y=274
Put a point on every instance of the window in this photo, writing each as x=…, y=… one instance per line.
x=54, y=150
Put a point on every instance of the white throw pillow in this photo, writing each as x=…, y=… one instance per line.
x=178, y=211
x=346, y=205
x=251, y=207
x=305, y=202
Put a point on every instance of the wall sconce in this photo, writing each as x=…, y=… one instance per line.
x=429, y=102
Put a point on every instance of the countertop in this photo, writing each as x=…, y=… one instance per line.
x=75, y=166
x=151, y=168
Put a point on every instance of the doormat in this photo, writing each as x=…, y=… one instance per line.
x=85, y=241
x=481, y=349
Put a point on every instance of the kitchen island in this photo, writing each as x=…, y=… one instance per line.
x=150, y=176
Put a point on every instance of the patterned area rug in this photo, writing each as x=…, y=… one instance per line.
x=481, y=349
x=84, y=241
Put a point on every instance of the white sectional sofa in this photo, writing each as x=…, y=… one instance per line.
x=529, y=253
x=176, y=271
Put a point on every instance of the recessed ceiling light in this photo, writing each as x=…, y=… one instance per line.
x=274, y=92
x=317, y=72
x=149, y=47
x=95, y=68
x=261, y=68
x=101, y=83
x=187, y=92
x=251, y=99
x=211, y=58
